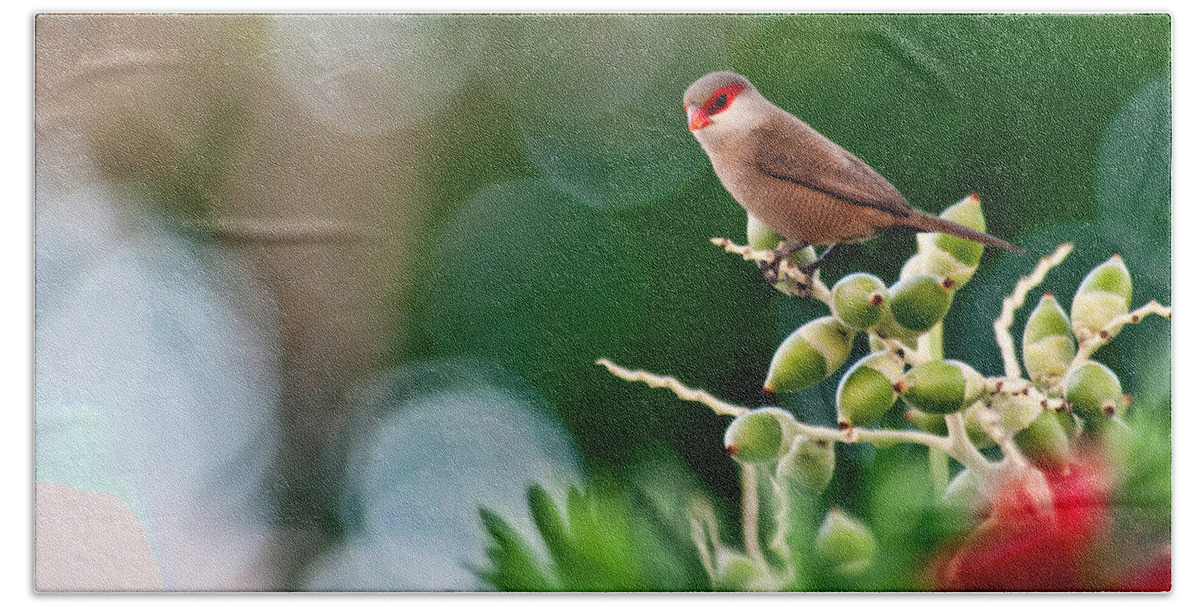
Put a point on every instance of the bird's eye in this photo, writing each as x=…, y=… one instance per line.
x=719, y=101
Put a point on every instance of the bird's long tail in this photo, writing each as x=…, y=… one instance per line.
x=932, y=223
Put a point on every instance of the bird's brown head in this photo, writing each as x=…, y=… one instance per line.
x=714, y=94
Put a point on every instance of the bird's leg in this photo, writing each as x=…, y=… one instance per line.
x=810, y=269
x=770, y=269
x=804, y=287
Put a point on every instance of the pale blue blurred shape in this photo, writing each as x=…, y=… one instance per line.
x=368, y=74
x=155, y=382
x=450, y=436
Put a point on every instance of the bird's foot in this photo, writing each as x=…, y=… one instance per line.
x=804, y=286
x=770, y=268
x=773, y=271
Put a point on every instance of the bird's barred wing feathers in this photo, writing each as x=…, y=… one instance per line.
x=792, y=151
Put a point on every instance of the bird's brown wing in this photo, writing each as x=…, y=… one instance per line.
x=794, y=152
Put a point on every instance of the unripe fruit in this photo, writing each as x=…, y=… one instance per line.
x=969, y=213
x=938, y=263
x=887, y=326
x=809, y=462
x=942, y=387
x=918, y=303
x=868, y=390
x=760, y=236
x=737, y=572
x=808, y=356
x=974, y=423
x=845, y=542
x=858, y=299
x=1045, y=442
x=948, y=256
x=787, y=426
x=1067, y=421
x=1104, y=295
x=1094, y=392
x=1015, y=412
x=755, y=436
x=1047, y=347
x=930, y=423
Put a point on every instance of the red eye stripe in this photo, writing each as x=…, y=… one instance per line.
x=721, y=98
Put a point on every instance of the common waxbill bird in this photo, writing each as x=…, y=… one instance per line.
x=799, y=183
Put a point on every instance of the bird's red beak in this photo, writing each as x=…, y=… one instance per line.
x=697, y=119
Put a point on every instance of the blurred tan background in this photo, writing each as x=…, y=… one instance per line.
x=311, y=194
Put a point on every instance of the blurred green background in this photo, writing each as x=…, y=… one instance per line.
x=542, y=204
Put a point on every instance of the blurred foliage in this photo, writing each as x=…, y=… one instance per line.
x=611, y=537
x=1143, y=493
x=608, y=536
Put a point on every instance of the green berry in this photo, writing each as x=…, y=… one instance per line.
x=868, y=390
x=1045, y=442
x=760, y=236
x=887, y=326
x=976, y=432
x=811, y=354
x=1016, y=412
x=918, y=303
x=1094, y=392
x=845, y=543
x=858, y=299
x=934, y=261
x=809, y=462
x=1047, y=347
x=1104, y=294
x=737, y=572
x=942, y=387
x=930, y=423
x=756, y=436
x=1048, y=319
x=969, y=213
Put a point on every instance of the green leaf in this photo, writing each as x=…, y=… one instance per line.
x=551, y=526
x=514, y=567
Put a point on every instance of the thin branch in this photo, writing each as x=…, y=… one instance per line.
x=1023, y=387
x=704, y=535
x=1104, y=336
x=853, y=435
x=787, y=269
x=1090, y=345
x=911, y=356
x=783, y=522
x=883, y=437
x=750, y=514
x=1004, y=322
x=961, y=447
x=685, y=393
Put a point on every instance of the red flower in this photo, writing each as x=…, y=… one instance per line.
x=1021, y=548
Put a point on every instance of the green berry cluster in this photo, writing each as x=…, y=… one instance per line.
x=912, y=307
x=950, y=405
x=1035, y=422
